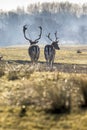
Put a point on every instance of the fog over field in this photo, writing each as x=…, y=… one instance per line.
x=70, y=20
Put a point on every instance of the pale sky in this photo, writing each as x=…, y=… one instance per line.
x=12, y=4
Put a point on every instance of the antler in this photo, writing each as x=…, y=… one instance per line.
x=55, y=42
x=24, y=29
x=35, y=41
x=39, y=34
x=49, y=37
x=56, y=36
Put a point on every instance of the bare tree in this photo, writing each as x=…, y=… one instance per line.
x=49, y=50
x=34, y=50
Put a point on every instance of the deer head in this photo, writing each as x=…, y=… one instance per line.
x=55, y=42
x=36, y=40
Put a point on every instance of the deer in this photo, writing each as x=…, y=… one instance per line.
x=49, y=50
x=33, y=50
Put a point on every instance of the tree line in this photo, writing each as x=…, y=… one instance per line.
x=53, y=7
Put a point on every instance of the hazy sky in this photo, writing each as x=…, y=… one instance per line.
x=12, y=4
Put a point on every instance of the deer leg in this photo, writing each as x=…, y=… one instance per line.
x=51, y=64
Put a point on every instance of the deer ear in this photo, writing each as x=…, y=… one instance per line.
x=55, y=45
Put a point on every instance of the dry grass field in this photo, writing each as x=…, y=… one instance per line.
x=39, y=98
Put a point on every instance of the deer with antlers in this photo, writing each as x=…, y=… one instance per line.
x=34, y=50
x=49, y=50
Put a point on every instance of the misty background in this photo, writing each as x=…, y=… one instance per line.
x=69, y=20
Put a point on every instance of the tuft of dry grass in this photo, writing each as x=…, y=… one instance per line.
x=83, y=87
x=12, y=75
x=57, y=92
x=2, y=69
x=1, y=72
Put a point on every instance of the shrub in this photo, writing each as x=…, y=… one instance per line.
x=83, y=87
x=79, y=92
x=62, y=95
x=54, y=95
x=60, y=99
x=1, y=72
x=26, y=73
x=12, y=75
